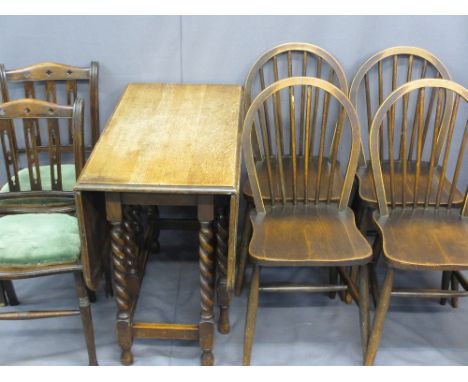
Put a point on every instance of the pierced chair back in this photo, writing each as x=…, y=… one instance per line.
x=21, y=118
x=383, y=73
x=321, y=150
x=56, y=83
x=430, y=153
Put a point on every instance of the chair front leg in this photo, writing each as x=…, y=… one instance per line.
x=86, y=318
x=381, y=312
x=251, y=315
x=364, y=308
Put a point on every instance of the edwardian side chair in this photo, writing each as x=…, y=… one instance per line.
x=374, y=81
x=56, y=83
x=314, y=227
x=38, y=238
x=284, y=61
x=421, y=225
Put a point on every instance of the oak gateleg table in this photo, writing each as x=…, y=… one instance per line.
x=165, y=144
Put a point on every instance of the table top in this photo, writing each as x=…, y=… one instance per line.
x=169, y=138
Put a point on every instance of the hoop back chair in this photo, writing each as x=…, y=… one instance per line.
x=429, y=233
x=40, y=239
x=290, y=231
x=284, y=61
x=377, y=78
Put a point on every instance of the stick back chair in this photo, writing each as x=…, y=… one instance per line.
x=313, y=228
x=429, y=233
x=284, y=61
x=374, y=81
x=38, y=239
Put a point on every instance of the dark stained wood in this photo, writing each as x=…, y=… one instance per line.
x=174, y=116
x=278, y=241
x=30, y=110
x=293, y=167
x=51, y=76
x=423, y=236
x=295, y=231
x=444, y=246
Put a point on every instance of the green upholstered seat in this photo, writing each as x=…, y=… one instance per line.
x=38, y=239
x=68, y=181
x=68, y=178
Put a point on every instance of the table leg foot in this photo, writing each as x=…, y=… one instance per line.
x=126, y=358
x=207, y=358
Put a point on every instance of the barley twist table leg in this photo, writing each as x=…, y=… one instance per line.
x=221, y=258
x=207, y=268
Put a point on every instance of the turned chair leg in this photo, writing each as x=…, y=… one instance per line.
x=10, y=293
x=3, y=300
x=445, y=284
x=454, y=287
x=374, y=285
x=251, y=315
x=364, y=308
x=244, y=249
x=86, y=319
x=381, y=312
x=333, y=277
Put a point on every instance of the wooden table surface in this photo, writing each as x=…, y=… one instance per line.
x=169, y=137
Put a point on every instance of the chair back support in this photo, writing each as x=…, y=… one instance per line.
x=323, y=145
x=56, y=83
x=383, y=73
x=288, y=60
x=31, y=113
x=451, y=166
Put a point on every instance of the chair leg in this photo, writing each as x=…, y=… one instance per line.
x=10, y=293
x=243, y=249
x=364, y=308
x=379, y=318
x=3, y=300
x=333, y=277
x=353, y=275
x=86, y=319
x=454, y=286
x=251, y=315
x=445, y=284
x=374, y=285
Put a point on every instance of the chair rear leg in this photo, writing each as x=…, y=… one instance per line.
x=9, y=292
x=3, y=300
x=86, y=319
x=243, y=249
x=333, y=277
x=380, y=314
x=445, y=284
x=251, y=316
x=454, y=286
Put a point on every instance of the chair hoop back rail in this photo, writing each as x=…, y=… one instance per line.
x=430, y=66
x=299, y=57
x=257, y=110
x=445, y=145
x=51, y=75
x=29, y=110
